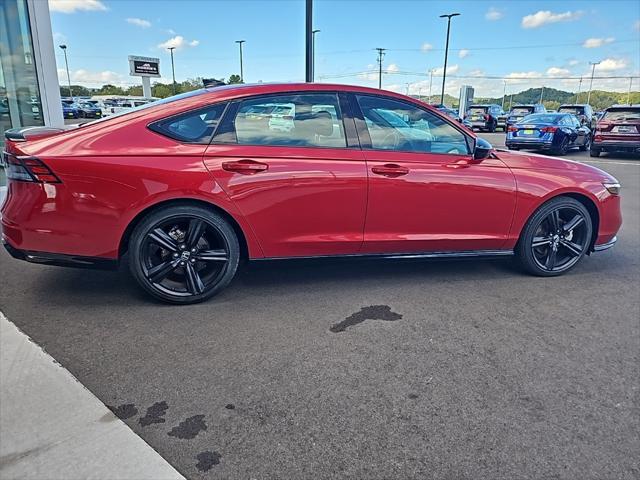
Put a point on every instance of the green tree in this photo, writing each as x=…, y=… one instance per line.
x=234, y=79
x=109, y=89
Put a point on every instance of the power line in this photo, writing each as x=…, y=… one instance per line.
x=482, y=77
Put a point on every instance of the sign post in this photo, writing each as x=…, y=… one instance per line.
x=145, y=67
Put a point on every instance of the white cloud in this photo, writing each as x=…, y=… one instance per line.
x=59, y=38
x=139, y=22
x=426, y=47
x=544, y=17
x=451, y=69
x=573, y=63
x=636, y=26
x=92, y=78
x=557, y=72
x=597, y=42
x=71, y=6
x=609, y=64
x=178, y=42
x=392, y=68
x=493, y=14
x=463, y=53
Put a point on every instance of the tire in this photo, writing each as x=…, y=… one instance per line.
x=492, y=127
x=510, y=147
x=594, y=152
x=183, y=254
x=586, y=146
x=563, y=148
x=556, y=250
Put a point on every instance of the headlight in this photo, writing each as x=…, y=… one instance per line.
x=612, y=188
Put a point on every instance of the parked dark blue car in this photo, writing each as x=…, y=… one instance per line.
x=556, y=132
x=70, y=109
x=89, y=110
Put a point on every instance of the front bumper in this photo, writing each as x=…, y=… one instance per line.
x=605, y=246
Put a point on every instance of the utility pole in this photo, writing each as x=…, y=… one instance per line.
x=629, y=92
x=64, y=49
x=309, y=41
x=511, y=101
x=313, y=54
x=380, y=57
x=541, y=93
x=593, y=70
x=173, y=69
x=446, y=52
x=430, y=83
x=504, y=93
x=579, y=89
x=240, y=42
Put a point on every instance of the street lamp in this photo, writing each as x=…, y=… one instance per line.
x=446, y=51
x=173, y=69
x=593, y=70
x=430, y=83
x=64, y=49
x=240, y=42
x=504, y=93
x=313, y=52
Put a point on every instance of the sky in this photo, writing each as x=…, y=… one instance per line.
x=523, y=43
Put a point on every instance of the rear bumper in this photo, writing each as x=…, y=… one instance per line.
x=617, y=146
x=520, y=143
x=60, y=260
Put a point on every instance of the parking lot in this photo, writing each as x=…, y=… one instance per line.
x=361, y=369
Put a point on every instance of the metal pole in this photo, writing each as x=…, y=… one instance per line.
x=380, y=57
x=313, y=53
x=629, y=92
x=446, y=52
x=309, y=41
x=64, y=49
x=430, y=83
x=240, y=42
x=504, y=93
x=579, y=89
x=511, y=101
x=593, y=70
x=173, y=69
x=541, y=93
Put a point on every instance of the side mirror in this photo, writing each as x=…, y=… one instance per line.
x=482, y=149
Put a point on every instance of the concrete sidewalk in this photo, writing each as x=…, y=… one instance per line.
x=52, y=427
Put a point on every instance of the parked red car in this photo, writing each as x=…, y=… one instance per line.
x=618, y=130
x=190, y=185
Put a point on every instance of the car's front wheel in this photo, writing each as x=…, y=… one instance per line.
x=555, y=238
x=183, y=254
x=594, y=152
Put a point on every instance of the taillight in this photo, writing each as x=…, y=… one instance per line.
x=28, y=169
x=549, y=129
x=512, y=129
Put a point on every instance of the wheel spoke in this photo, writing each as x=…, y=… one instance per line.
x=194, y=282
x=574, y=248
x=196, y=229
x=573, y=223
x=551, y=258
x=212, y=256
x=540, y=241
x=162, y=239
x=554, y=220
x=159, y=272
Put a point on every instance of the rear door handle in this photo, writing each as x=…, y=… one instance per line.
x=245, y=166
x=390, y=170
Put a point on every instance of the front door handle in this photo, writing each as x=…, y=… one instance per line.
x=245, y=166
x=390, y=170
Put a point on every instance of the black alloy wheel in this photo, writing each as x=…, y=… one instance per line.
x=555, y=238
x=183, y=254
x=563, y=148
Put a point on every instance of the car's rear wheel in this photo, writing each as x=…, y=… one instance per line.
x=555, y=238
x=183, y=254
x=563, y=148
x=594, y=152
x=587, y=144
x=492, y=127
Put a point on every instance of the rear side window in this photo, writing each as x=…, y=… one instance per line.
x=301, y=120
x=196, y=126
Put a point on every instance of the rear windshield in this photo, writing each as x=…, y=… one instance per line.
x=574, y=110
x=623, y=114
x=537, y=118
x=477, y=109
x=521, y=110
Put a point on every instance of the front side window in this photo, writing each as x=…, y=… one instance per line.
x=297, y=120
x=399, y=126
x=192, y=127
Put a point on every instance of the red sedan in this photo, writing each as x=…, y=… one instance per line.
x=190, y=185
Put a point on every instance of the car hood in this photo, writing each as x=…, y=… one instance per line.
x=532, y=161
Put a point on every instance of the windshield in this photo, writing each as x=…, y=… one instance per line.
x=622, y=114
x=541, y=118
x=574, y=110
x=522, y=110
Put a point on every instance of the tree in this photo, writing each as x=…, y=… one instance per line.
x=78, y=91
x=110, y=90
x=234, y=79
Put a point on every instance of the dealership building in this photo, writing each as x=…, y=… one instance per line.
x=29, y=89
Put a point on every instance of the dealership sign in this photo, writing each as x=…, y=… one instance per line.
x=144, y=66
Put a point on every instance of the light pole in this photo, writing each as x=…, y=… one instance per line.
x=173, y=69
x=541, y=93
x=629, y=91
x=313, y=51
x=579, y=89
x=64, y=49
x=240, y=42
x=430, y=83
x=504, y=93
x=380, y=57
x=593, y=70
x=446, y=52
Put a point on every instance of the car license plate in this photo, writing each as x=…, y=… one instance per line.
x=625, y=129
x=528, y=132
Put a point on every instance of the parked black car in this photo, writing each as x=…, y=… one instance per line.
x=556, y=132
x=484, y=117
x=518, y=112
x=583, y=111
x=89, y=110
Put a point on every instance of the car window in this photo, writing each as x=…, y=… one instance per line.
x=395, y=125
x=522, y=110
x=621, y=114
x=193, y=127
x=302, y=120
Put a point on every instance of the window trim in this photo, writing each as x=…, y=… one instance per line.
x=230, y=113
x=155, y=126
x=365, y=138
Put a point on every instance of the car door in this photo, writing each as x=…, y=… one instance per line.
x=301, y=183
x=426, y=194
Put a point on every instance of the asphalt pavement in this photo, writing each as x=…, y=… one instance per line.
x=362, y=369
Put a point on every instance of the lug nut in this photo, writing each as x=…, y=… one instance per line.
x=181, y=247
x=182, y=264
x=193, y=260
x=175, y=255
x=193, y=250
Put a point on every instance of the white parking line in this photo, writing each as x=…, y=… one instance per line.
x=636, y=164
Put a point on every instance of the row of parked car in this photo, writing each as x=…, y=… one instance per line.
x=93, y=108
